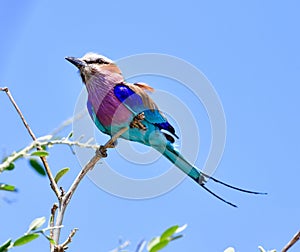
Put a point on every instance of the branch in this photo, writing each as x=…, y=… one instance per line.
x=43, y=141
x=100, y=153
x=51, y=222
x=291, y=242
x=44, y=160
x=63, y=198
x=69, y=239
x=90, y=165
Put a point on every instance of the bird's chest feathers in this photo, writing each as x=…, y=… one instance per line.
x=109, y=110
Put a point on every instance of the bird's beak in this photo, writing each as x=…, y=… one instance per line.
x=76, y=62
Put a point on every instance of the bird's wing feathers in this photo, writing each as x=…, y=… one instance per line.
x=134, y=96
x=144, y=86
x=137, y=101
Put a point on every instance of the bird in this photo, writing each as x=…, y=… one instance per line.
x=113, y=104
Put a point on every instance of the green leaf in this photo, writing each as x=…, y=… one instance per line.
x=70, y=135
x=152, y=243
x=35, y=224
x=168, y=233
x=50, y=240
x=44, y=147
x=10, y=167
x=25, y=239
x=159, y=246
x=7, y=187
x=37, y=166
x=61, y=173
x=157, y=243
x=180, y=229
x=5, y=245
x=41, y=153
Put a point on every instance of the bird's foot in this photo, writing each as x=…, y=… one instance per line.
x=136, y=122
x=102, y=151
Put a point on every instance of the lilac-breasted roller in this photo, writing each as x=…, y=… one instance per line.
x=114, y=104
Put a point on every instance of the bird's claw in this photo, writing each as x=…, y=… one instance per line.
x=140, y=116
x=102, y=151
x=136, y=122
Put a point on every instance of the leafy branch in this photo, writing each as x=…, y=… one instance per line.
x=62, y=196
x=157, y=243
x=31, y=234
x=42, y=142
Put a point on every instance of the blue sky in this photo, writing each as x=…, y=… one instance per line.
x=248, y=50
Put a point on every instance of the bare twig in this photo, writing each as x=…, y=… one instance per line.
x=44, y=160
x=58, y=249
x=52, y=216
x=64, y=245
x=291, y=242
x=71, y=143
x=90, y=165
x=51, y=223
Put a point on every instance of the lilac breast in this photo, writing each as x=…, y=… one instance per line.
x=109, y=110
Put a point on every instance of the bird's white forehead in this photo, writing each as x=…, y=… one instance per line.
x=94, y=56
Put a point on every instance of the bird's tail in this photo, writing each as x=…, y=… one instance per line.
x=199, y=177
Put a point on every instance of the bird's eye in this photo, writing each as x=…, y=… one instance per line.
x=100, y=61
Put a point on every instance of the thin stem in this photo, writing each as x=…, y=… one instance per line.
x=51, y=223
x=44, y=160
x=69, y=239
x=291, y=242
x=90, y=165
x=52, y=217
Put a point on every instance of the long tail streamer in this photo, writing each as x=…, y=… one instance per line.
x=227, y=185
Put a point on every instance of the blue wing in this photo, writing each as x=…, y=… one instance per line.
x=135, y=104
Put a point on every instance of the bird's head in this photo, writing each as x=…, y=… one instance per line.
x=95, y=65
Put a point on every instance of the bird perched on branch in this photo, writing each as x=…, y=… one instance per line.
x=114, y=104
